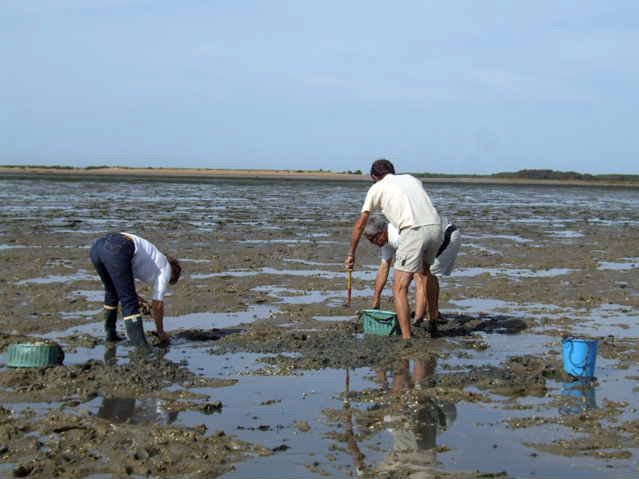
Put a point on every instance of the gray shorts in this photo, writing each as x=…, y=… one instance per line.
x=417, y=248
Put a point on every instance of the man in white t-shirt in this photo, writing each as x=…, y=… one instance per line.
x=385, y=235
x=120, y=259
x=406, y=205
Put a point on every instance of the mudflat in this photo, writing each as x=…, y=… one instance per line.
x=269, y=370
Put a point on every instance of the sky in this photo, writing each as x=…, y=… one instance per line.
x=443, y=87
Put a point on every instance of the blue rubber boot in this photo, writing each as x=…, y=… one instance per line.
x=110, y=319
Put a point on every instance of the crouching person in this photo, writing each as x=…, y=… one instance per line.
x=119, y=259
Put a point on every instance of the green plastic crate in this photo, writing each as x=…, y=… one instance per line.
x=381, y=323
x=34, y=355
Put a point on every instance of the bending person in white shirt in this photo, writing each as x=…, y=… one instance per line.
x=386, y=236
x=119, y=259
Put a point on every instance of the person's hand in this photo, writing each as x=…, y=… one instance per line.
x=350, y=262
x=375, y=303
x=145, y=306
x=164, y=338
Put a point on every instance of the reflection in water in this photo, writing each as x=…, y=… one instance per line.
x=356, y=452
x=413, y=419
x=580, y=397
x=415, y=426
x=136, y=411
x=128, y=409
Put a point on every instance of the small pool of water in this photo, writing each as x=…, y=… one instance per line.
x=81, y=275
x=513, y=272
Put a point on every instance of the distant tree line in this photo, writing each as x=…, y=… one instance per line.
x=530, y=174
x=527, y=174
x=563, y=175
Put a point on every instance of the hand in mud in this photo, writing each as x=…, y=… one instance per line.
x=145, y=306
x=164, y=338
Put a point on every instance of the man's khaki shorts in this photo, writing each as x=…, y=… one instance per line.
x=417, y=248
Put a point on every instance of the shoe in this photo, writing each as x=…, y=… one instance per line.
x=110, y=319
x=135, y=331
x=432, y=330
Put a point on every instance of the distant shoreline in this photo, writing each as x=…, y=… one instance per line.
x=195, y=173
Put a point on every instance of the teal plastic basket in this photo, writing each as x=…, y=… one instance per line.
x=381, y=323
x=34, y=355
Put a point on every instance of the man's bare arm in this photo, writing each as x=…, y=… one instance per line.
x=358, y=230
x=380, y=282
x=157, y=311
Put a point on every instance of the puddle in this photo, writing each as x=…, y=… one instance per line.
x=81, y=275
x=174, y=324
x=13, y=246
x=628, y=263
x=483, y=304
x=607, y=320
x=290, y=241
x=218, y=320
x=512, y=273
x=313, y=273
x=335, y=318
x=312, y=263
x=92, y=296
x=565, y=234
x=272, y=412
x=482, y=249
x=513, y=238
x=80, y=314
x=131, y=410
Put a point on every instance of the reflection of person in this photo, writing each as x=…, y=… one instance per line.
x=404, y=202
x=415, y=429
x=119, y=259
x=386, y=236
x=353, y=447
x=140, y=411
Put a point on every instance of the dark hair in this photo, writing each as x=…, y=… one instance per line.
x=382, y=167
x=176, y=269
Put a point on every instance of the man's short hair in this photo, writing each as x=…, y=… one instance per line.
x=375, y=225
x=382, y=167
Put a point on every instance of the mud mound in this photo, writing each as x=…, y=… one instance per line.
x=463, y=325
x=325, y=349
x=205, y=334
x=7, y=340
x=71, y=445
x=141, y=375
x=519, y=376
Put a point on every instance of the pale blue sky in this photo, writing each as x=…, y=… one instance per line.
x=453, y=87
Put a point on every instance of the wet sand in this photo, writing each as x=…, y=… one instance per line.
x=255, y=377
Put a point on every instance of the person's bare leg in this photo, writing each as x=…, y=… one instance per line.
x=400, y=295
x=402, y=377
x=432, y=298
x=423, y=370
x=420, y=298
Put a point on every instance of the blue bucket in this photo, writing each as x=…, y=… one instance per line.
x=580, y=356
